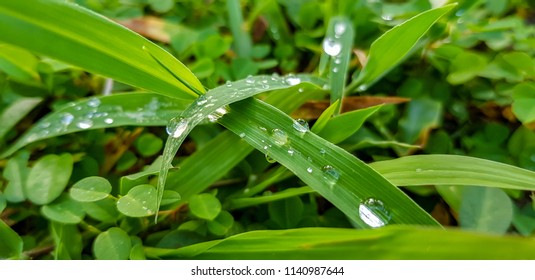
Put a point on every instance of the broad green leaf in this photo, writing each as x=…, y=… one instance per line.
x=148, y=144
x=140, y=201
x=388, y=243
x=16, y=173
x=286, y=213
x=10, y=242
x=117, y=110
x=424, y=170
x=16, y=111
x=48, y=178
x=338, y=176
x=90, y=189
x=238, y=203
x=18, y=63
x=343, y=126
x=205, y=206
x=221, y=224
x=88, y=40
x=65, y=210
x=524, y=101
x=68, y=241
x=486, y=210
x=393, y=46
x=104, y=210
x=113, y=244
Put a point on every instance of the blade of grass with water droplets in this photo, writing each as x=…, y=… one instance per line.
x=337, y=47
x=337, y=175
x=212, y=106
x=423, y=170
x=121, y=109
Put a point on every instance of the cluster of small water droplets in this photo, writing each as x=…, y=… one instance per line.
x=374, y=213
x=176, y=126
x=300, y=126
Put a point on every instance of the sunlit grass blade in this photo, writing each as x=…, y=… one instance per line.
x=90, y=41
x=212, y=106
x=393, y=46
x=338, y=176
x=454, y=170
x=139, y=109
x=393, y=242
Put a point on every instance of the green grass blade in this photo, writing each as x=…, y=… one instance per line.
x=238, y=203
x=15, y=112
x=454, y=170
x=337, y=175
x=147, y=109
x=393, y=46
x=242, y=39
x=90, y=41
x=392, y=242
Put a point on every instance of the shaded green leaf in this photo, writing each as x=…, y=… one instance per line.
x=286, y=213
x=65, y=210
x=113, y=244
x=16, y=173
x=68, y=241
x=90, y=189
x=221, y=224
x=205, y=206
x=486, y=210
x=10, y=242
x=48, y=178
x=524, y=102
x=104, y=210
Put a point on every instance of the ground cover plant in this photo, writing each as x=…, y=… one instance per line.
x=267, y=129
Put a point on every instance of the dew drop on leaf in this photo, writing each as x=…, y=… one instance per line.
x=228, y=84
x=309, y=170
x=374, y=213
x=339, y=29
x=291, y=152
x=242, y=135
x=330, y=174
x=108, y=120
x=270, y=159
x=279, y=137
x=249, y=79
x=300, y=126
x=219, y=112
x=177, y=126
x=85, y=124
x=66, y=119
x=292, y=80
x=331, y=47
x=93, y=102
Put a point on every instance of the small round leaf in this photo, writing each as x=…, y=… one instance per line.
x=65, y=210
x=169, y=197
x=90, y=189
x=140, y=201
x=113, y=244
x=148, y=144
x=221, y=224
x=205, y=206
x=48, y=178
x=104, y=210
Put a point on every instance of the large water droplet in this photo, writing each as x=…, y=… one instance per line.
x=309, y=170
x=292, y=80
x=339, y=29
x=374, y=213
x=249, y=79
x=228, y=84
x=93, y=102
x=331, y=47
x=85, y=124
x=219, y=112
x=270, y=159
x=66, y=119
x=330, y=174
x=301, y=126
x=279, y=137
x=177, y=126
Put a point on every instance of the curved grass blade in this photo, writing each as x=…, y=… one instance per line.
x=238, y=203
x=454, y=170
x=393, y=242
x=394, y=45
x=337, y=175
x=212, y=106
x=88, y=40
x=15, y=112
x=147, y=109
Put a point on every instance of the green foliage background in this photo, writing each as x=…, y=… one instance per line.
x=299, y=129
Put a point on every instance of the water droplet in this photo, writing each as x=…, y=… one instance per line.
x=263, y=129
x=78, y=108
x=339, y=28
x=66, y=119
x=246, y=190
x=265, y=86
x=374, y=213
x=335, y=70
x=108, y=120
x=228, y=83
x=301, y=90
x=177, y=126
x=337, y=60
x=330, y=174
x=309, y=170
x=292, y=80
x=322, y=152
x=291, y=152
x=301, y=126
x=331, y=47
x=279, y=137
x=249, y=79
x=85, y=124
x=270, y=159
x=93, y=102
x=44, y=125
x=242, y=135
x=201, y=100
x=387, y=17
x=219, y=112
x=362, y=88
